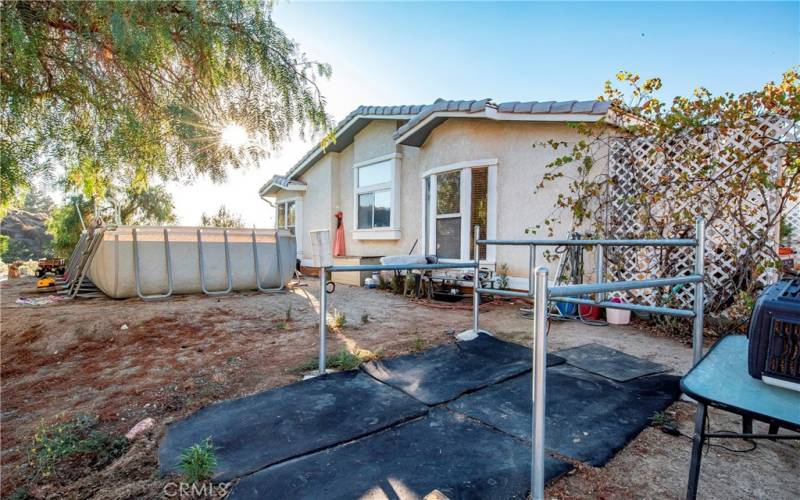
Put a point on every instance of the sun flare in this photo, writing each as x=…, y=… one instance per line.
x=234, y=135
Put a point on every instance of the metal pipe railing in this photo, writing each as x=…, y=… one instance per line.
x=401, y=267
x=617, y=286
x=538, y=382
x=542, y=294
x=683, y=313
x=589, y=243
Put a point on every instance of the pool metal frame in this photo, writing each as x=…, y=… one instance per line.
x=542, y=293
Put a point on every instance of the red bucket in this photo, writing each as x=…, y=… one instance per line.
x=589, y=312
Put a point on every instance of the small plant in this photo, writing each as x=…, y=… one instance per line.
x=342, y=360
x=661, y=419
x=339, y=320
x=76, y=438
x=364, y=319
x=409, y=284
x=282, y=325
x=502, y=276
x=289, y=314
x=382, y=283
x=198, y=461
x=397, y=284
x=419, y=345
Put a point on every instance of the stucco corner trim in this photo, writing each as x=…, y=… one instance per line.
x=377, y=234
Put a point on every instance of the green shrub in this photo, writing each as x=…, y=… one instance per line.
x=198, y=461
x=289, y=314
x=74, y=438
x=339, y=320
x=342, y=360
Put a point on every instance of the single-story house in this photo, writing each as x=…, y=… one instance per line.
x=416, y=179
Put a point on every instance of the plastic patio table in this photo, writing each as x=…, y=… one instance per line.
x=721, y=380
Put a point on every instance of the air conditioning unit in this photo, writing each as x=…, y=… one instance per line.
x=774, y=347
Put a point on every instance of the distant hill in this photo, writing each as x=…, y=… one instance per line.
x=28, y=239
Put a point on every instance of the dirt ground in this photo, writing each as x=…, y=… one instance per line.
x=125, y=360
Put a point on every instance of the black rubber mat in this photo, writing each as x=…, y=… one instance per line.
x=502, y=352
x=610, y=363
x=253, y=432
x=589, y=418
x=443, y=373
x=441, y=451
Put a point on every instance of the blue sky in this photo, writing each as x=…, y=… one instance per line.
x=412, y=53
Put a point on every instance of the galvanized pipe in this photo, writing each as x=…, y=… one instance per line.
x=323, y=318
x=476, y=283
x=404, y=267
x=699, y=292
x=531, y=267
x=539, y=384
x=682, y=313
x=588, y=243
x=578, y=290
x=505, y=293
x=600, y=270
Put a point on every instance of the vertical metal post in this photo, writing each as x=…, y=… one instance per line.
x=476, y=283
x=538, y=381
x=600, y=269
x=699, y=296
x=531, y=267
x=323, y=318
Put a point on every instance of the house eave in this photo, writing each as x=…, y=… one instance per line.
x=418, y=134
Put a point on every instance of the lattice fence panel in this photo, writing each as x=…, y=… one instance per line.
x=792, y=216
x=637, y=163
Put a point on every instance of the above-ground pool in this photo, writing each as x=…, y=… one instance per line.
x=158, y=248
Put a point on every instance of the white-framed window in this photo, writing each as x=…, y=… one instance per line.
x=287, y=215
x=375, y=198
x=456, y=198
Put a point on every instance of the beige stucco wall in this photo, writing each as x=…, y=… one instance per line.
x=520, y=168
x=316, y=201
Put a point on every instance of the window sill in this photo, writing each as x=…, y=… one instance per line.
x=376, y=234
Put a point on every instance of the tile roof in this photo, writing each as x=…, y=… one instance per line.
x=415, y=114
x=530, y=107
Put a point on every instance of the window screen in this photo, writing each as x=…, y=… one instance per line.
x=448, y=238
x=480, y=188
x=374, y=209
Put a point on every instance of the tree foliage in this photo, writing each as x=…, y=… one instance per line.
x=152, y=205
x=223, y=218
x=147, y=87
x=714, y=156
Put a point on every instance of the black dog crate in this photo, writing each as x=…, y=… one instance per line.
x=774, y=351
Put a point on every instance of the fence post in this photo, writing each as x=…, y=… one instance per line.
x=323, y=318
x=600, y=270
x=476, y=283
x=699, y=292
x=538, y=381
